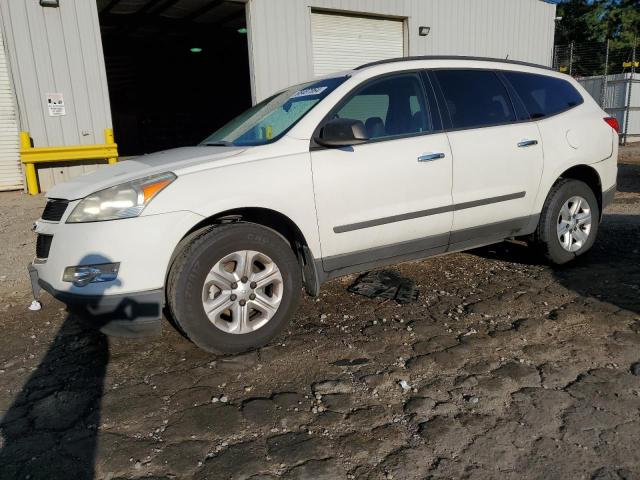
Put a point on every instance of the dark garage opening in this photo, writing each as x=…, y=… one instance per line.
x=177, y=69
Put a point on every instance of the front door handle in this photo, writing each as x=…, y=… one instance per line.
x=527, y=143
x=430, y=157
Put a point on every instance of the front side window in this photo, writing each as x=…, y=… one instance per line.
x=273, y=117
x=389, y=107
x=475, y=98
x=544, y=96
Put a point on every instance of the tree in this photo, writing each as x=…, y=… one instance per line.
x=599, y=20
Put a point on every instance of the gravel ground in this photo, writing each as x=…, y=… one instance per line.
x=504, y=368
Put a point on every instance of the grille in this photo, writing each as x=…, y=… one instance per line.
x=54, y=210
x=43, y=245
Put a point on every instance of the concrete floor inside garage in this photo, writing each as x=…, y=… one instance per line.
x=176, y=71
x=513, y=370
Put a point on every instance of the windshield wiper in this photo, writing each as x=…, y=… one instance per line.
x=219, y=144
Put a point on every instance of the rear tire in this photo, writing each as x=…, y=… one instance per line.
x=569, y=221
x=234, y=287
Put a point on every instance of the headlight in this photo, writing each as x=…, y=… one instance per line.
x=122, y=201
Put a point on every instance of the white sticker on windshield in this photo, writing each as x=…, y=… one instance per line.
x=309, y=92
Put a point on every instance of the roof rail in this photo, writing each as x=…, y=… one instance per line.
x=451, y=57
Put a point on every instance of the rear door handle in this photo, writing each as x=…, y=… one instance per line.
x=430, y=157
x=527, y=143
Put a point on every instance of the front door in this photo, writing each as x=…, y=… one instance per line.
x=390, y=197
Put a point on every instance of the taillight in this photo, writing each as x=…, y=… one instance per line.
x=613, y=123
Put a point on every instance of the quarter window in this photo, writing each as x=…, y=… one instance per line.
x=475, y=98
x=544, y=96
x=389, y=107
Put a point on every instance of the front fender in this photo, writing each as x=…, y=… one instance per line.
x=283, y=184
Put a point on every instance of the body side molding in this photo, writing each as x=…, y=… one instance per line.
x=425, y=213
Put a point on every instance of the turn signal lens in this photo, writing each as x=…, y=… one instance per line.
x=150, y=190
x=613, y=123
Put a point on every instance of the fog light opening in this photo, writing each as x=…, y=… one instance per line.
x=82, y=275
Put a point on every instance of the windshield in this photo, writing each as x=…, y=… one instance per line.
x=275, y=116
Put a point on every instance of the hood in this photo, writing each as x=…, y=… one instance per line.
x=138, y=167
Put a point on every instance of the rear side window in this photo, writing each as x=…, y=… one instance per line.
x=544, y=96
x=475, y=98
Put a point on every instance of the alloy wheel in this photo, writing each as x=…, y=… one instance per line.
x=242, y=292
x=574, y=224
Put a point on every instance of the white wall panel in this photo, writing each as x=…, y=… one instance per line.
x=58, y=50
x=282, y=48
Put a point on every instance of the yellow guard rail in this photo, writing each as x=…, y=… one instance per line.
x=32, y=155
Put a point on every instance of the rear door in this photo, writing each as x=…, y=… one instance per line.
x=391, y=196
x=569, y=133
x=497, y=156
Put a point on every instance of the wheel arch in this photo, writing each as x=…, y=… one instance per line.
x=272, y=219
x=588, y=175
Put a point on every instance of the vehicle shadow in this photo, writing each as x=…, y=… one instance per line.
x=628, y=178
x=609, y=272
x=50, y=430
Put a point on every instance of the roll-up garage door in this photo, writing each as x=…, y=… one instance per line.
x=10, y=170
x=342, y=42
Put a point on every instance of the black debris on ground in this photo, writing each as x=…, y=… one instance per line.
x=386, y=284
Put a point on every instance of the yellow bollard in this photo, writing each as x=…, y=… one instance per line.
x=109, y=139
x=68, y=153
x=29, y=168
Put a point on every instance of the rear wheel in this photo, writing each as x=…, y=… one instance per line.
x=234, y=287
x=569, y=221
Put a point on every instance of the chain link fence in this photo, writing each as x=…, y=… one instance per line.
x=611, y=75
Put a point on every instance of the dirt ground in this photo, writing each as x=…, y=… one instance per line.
x=504, y=368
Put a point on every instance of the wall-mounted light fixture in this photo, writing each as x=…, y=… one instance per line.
x=424, y=31
x=50, y=3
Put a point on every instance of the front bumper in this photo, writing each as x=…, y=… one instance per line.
x=143, y=247
x=124, y=315
x=131, y=305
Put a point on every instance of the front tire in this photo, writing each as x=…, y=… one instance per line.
x=569, y=221
x=234, y=287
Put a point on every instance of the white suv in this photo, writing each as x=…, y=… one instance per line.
x=393, y=161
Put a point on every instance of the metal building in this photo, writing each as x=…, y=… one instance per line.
x=165, y=73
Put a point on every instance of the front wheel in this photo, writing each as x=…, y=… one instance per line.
x=234, y=287
x=569, y=221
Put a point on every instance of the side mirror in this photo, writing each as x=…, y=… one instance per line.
x=342, y=132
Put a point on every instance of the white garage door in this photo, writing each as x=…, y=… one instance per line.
x=10, y=169
x=342, y=42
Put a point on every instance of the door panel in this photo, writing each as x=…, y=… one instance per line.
x=497, y=158
x=379, y=196
x=391, y=196
x=494, y=179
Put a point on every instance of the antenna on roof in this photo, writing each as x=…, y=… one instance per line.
x=507, y=57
